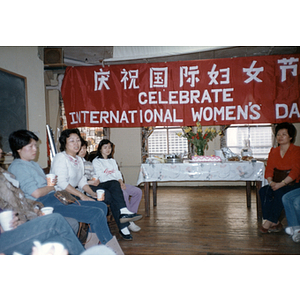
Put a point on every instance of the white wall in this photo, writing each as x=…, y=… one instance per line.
x=127, y=151
x=25, y=62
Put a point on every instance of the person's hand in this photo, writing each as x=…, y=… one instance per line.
x=123, y=186
x=38, y=211
x=87, y=198
x=15, y=222
x=94, y=182
x=276, y=185
x=55, y=180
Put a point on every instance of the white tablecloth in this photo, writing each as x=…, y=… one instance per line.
x=227, y=171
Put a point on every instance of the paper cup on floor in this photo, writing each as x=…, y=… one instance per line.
x=5, y=219
x=47, y=210
x=50, y=179
x=100, y=195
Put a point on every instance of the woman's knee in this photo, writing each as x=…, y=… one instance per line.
x=285, y=199
x=101, y=207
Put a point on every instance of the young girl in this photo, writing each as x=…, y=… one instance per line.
x=106, y=168
x=88, y=166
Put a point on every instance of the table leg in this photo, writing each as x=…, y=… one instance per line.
x=147, y=198
x=258, y=201
x=248, y=193
x=154, y=185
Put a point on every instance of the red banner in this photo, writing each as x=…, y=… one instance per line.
x=244, y=90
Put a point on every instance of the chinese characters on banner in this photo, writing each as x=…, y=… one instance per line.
x=259, y=89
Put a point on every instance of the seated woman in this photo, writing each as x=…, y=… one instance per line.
x=291, y=203
x=34, y=185
x=106, y=169
x=69, y=168
x=28, y=224
x=284, y=157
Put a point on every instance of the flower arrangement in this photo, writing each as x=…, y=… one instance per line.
x=199, y=139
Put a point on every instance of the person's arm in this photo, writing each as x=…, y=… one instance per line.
x=118, y=174
x=277, y=185
x=93, y=182
x=270, y=165
x=59, y=167
x=28, y=177
x=97, y=168
x=43, y=191
x=82, y=196
x=88, y=190
x=294, y=162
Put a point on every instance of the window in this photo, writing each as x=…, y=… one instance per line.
x=164, y=140
x=260, y=136
x=93, y=135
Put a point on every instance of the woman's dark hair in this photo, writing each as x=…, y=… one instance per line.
x=289, y=127
x=66, y=134
x=19, y=139
x=104, y=142
x=83, y=142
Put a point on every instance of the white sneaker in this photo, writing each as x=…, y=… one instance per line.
x=296, y=236
x=289, y=230
x=133, y=227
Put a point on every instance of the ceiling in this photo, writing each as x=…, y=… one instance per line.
x=97, y=55
x=109, y=55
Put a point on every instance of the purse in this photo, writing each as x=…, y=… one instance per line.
x=65, y=197
x=280, y=175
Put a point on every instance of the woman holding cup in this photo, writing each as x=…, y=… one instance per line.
x=34, y=185
x=106, y=168
x=20, y=224
x=112, y=195
x=69, y=168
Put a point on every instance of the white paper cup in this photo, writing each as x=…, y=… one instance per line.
x=5, y=219
x=94, y=178
x=47, y=210
x=50, y=179
x=100, y=195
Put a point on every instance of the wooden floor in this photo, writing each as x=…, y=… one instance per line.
x=203, y=221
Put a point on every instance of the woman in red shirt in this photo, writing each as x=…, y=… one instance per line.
x=284, y=157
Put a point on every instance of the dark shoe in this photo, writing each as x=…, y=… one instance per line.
x=126, y=237
x=129, y=218
x=263, y=230
x=276, y=228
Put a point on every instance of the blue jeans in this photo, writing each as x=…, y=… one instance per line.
x=49, y=228
x=90, y=212
x=291, y=203
x=271, y=201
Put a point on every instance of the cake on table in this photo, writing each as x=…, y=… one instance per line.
x=200, y=158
